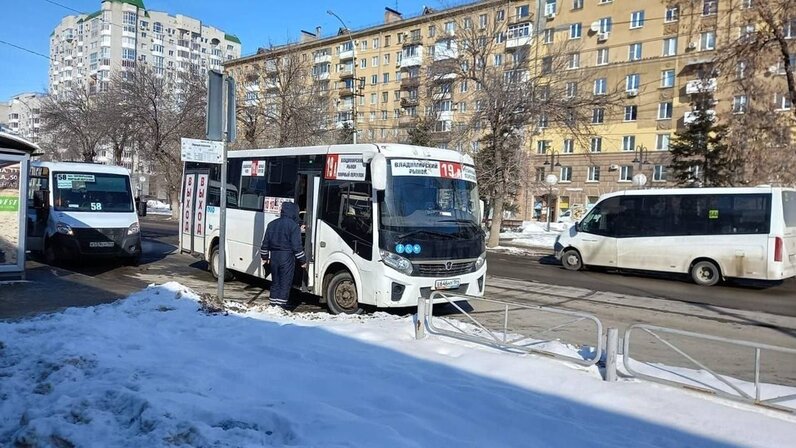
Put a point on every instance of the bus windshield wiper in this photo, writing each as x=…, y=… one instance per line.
x=427, y=232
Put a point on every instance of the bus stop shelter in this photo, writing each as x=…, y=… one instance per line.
x=15, y=153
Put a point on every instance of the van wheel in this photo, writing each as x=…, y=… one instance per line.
x=705, y=273
x=341, y=294
x=215, y=262
x=571, y=260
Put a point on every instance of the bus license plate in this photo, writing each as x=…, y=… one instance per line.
x=100, y=244
x=452, y=283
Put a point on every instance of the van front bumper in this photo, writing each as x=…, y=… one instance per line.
x=102, y=243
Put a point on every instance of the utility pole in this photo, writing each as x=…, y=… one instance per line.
x=355, y=81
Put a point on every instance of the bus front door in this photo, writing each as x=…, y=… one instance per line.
x=307, y=192
x=194, y=207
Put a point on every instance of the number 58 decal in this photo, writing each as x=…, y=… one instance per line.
x=96, y=206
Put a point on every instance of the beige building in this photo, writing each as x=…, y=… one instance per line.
x=643, y=52
x=22, y=115
x=86, y=49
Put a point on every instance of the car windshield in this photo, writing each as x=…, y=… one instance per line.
x=92, y=192
x=414, y=200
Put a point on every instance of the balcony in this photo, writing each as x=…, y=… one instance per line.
x=346, y=54
x=345, y=106
x=346, y=73
x=412, y=60
x=341, y=124
x=410, y=83
x=409, y=102
x=346, y=92
x=322, y=76
x=700, y=86
x=517, y=42
x=322, y=59
x=412, y=40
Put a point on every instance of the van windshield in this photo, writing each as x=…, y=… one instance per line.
x=92, y=192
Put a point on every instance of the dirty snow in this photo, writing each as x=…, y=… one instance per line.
x=534, y=234
x=154, y=370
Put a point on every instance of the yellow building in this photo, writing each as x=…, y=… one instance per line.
x=650, y=55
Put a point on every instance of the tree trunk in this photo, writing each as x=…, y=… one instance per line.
x=497, y=219
x=174, y=201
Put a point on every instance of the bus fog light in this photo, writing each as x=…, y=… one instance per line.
x=396, y=262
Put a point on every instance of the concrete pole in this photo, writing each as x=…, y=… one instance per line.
x=611, y=349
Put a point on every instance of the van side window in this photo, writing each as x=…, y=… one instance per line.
x=603, y=218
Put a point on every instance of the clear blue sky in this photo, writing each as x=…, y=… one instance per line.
x=28, y=23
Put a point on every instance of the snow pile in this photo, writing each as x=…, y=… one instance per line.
x=534, y=234
x=157, y=207
x=154, y=370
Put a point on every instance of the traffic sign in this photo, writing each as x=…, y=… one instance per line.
x=207, y=151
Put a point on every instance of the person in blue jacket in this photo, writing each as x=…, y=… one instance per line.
x=280, y=250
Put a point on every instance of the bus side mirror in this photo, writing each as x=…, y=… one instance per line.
x=378, y=172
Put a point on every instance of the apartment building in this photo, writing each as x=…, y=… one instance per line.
x=22, y=115
x=86, y=48
x=648, y=53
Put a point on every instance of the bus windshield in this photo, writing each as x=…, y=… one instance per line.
x=92, y=192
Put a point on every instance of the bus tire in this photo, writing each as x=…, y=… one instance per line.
x=341, y=294
x=214, y=263
x=571, y=260
x=705, y=273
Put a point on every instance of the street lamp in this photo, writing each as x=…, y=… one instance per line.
x=640, y=156
x=353, y=72
x=550, y=180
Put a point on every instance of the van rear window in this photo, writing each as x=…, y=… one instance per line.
x=789, y=208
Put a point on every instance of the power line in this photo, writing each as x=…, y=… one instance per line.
x=64, y=6
x=25, y=49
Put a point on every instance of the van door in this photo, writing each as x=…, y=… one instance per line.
x=597, y=233
x=38, y=208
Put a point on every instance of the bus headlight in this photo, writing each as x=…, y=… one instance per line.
x=64, y=229
x=480, y=261
x=134, y=229
x=396, y=262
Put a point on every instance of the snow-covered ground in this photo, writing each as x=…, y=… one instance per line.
x=153, y=370
x=534, y=234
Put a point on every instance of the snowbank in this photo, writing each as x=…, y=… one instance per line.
x=534, y=234
x=153, y=370
x=156, y=207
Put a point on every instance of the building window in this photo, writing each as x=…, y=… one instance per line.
x=782, y=102
x=593, y=174
x=667, y=78
x=739, y=104
x=631, y=113
x=373, y=98
x=548, y=35
x=605, y=25
x=363, y=63
x=707, y=41
x=385, y=96
x=547, y=65
x=659, y=173
x=710, y=7
x=577, y=4
x=636, y=19
x=498, y=58
x=789, y=30
x=634, y=51
x=450, y=27
x=522, y=11
x=670, y=46
x=628, y=143
x=542, y=146
x=662, y=142
x=575, y=31
x=483, y=21
x=664, y=111
x=598, y=116
x=374, y=79
x=543, y=121
x=600, y=86
x=571, y=89
x=569, y=146
x=574, y=61
x=386, y=77
x=632, y=82
x=602, y=56
x=566, y=174
x=500, y=15
x=596, y=144
x=626, y=173
x=672, y=14
x=519, y=31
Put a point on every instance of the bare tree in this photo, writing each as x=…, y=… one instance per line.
x=76, y=122
x=513, y=95
x=164, y=108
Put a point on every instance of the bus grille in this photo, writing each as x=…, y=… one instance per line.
x=443, y=269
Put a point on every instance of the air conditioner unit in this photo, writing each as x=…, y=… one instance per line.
x=550, y=15
x=773, y=69
x=692, y=45
x=602, y=37
x=632, y=92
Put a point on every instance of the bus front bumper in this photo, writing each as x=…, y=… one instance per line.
x=394, y=289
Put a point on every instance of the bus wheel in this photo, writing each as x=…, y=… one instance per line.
x=341, y=294
x=705, y=273
x=571, y=260
x=215, y=262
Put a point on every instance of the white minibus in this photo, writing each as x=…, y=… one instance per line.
x=707, y=233
x=78, y=210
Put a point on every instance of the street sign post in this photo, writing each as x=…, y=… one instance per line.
x=205, y=151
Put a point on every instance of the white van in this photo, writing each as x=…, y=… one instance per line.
x=78, y=210
x=708, y=233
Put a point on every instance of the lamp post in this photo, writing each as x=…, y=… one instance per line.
x=353, y=72
x=550, y=180
x=640, y=156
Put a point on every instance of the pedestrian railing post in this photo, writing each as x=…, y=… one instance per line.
x=611, y=349
x=420, y=324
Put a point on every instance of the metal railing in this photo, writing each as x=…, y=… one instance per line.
x=732, y=392
x=504, y=340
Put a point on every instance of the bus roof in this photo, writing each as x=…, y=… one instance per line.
x=388, y=149
x=688, y=191
x=82, y=167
